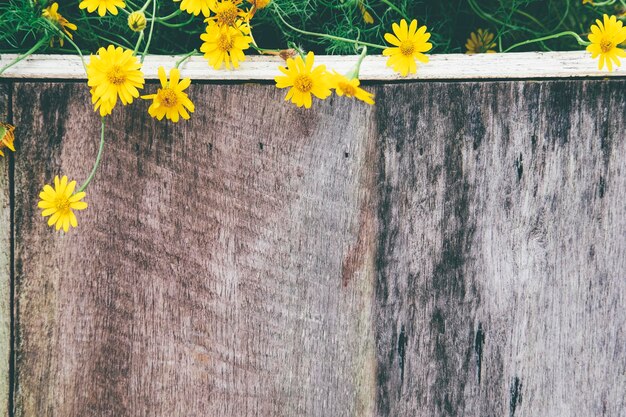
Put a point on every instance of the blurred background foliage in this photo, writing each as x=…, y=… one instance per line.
x=450, y=22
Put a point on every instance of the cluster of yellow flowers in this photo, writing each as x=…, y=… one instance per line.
x=116, y=73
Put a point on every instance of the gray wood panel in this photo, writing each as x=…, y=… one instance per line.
x=459, y=249
x=5, y=260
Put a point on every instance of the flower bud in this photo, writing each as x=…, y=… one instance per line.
x=137, y=21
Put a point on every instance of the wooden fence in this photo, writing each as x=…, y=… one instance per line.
x=459, y=249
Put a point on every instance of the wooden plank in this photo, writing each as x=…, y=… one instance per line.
x=189, y=289
x=456, y=250
x=521, y=65
x=5, y=262
x=501, y=268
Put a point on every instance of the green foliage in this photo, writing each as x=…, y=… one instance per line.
x=450, y=22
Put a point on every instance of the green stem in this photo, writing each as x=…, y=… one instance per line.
x=545, y=38
x=185, y=57
x=139, y=39
x=395, y=8
x=323, y=35
x=168, y=17
x=531, y=18
x=603, y=3
x=97, y=163
x=145, y=51
x=67, y=38
x=354, y=73
x=145, y=6
x=25, y=55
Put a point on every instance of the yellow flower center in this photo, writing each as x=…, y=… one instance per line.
x=347, y=88
x=226, y=14
x=303, y=83
x=225, y=42
x=167, y=97
x=407, y=47
x=116, y=76
x=63, y=205
x=606, y=45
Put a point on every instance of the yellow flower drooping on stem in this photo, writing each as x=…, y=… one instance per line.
x=480, y=42
x=102, y=5
x=52, y=14
x=225, y=46
x=605, y=38
x=344, y=86
x=137, y=21
x=58, y=203
x=226, y=13
x=367, y=17
x=195, y=7
x=409, y=43
x=170, y=101
x=113, y=73
x=260, y=4
x=6, y=137
x=304, y=80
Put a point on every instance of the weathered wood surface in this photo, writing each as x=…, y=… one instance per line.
x=5, y=260
x=457, y=250
x=513, y=65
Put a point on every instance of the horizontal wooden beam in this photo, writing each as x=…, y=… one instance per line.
x=524, y=65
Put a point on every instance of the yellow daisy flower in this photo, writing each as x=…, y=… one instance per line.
x=137, y=21
x=226, y=13
x=349, y=88
x=52, y=14
x=260, y=4
x=604, y=38
x=224, y=45
x=304, y=80
x=480, y=42
x=409, y=44
x=170, y=101
x=6, y=137
x=102, y=5
x=58, y=203
x=113, y=72
x=195, y=7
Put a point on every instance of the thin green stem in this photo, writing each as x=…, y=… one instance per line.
x=170, y=16
x=139, y=39
x=185, y=57
x=145, y=6
x=545, y=38
x=395, y=8
x=354, y=73
x=25, y=55
x=97, y=163
x=323, y=35
x=82, y=58
x=176, y=25
x=531, y=18
x=145, y=51
x=603, y=3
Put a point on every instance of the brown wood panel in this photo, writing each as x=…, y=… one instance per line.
x=459, y=249
x=205, y=277
x=5, y=259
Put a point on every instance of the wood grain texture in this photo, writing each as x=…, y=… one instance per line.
x=457, y=250
x=512, y=65
x=5, y=260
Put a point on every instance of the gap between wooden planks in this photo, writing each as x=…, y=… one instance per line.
x=520, y=65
